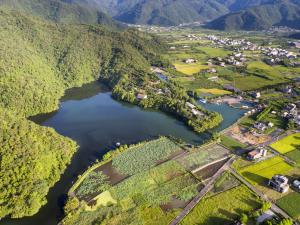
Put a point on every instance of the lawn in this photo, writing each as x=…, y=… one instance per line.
x=223, y=208
x=259, y=173
x=214, y=91
x=287, y=144
x=291, y=204
x=231, y=144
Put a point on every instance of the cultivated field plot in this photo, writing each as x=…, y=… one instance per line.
x=152, y=191
x=143, y=156
x=291, y=205
x=136, y=159
x=225, y=182
x=295, y=156
x=214, y=91
x=231, y=143
x=208, y=171
x=190, y=69
x=287, y=144
x=222, y=208
x=259, y=173
x=203, y=156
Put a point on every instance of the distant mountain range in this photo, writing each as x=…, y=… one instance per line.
x=273, y=13
x=167, y=12
x=217, y=14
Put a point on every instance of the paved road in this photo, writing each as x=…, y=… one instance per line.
x=206, y=189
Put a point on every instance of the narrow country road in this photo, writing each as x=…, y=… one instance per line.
x=201, y=194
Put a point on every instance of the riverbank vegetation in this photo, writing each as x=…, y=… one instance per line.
x=32, y=160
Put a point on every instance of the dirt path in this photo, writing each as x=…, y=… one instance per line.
x=201, y=194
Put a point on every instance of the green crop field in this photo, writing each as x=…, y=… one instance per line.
x=231, y=143
x=295, y=156
x=222, y=208
x=203, y=156
x=258, y=173
x=214, y=52
x=143, y=156
x=190, y=69
x=291, y=204
x=287, y=144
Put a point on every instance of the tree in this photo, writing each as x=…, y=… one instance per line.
x=265, y=206
x=244, y=218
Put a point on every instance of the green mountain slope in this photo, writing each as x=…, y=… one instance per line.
x=168, y=12
x=162, y=12
x=39, y=60
x=59, y=11
x=274, y=13
x=159, y=12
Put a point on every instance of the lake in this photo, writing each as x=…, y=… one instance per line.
x=91, y=117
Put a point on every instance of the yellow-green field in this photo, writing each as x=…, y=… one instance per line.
x=190, y=69
x=103, y=199
x=222, y=208
x=214, y=91
x=258, y=173
x=287, y=144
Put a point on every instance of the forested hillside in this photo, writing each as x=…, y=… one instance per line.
x=38, y=61
x=60, y=11
x=273, y=13
x=159, y=12
x=168, y=12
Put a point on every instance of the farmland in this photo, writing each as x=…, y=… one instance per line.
x=232, y=144
x=291, y=204
x=203, y=156
x=139, y=158
x=254, y=74
x=260, y=172
x=222, y=208
x=287, y=144
x=154, y=189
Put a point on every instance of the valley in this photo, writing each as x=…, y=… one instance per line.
x=149, y=112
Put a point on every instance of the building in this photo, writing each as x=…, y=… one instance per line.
x=197, y=112
x=260, y=126
x=279, y=183
x=257, y=154
x=188, y=61
x=190, y=105
x=256, y=95
x=141, y=96
x=296, y=44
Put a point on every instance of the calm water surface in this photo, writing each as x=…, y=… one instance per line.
x=96, y=122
